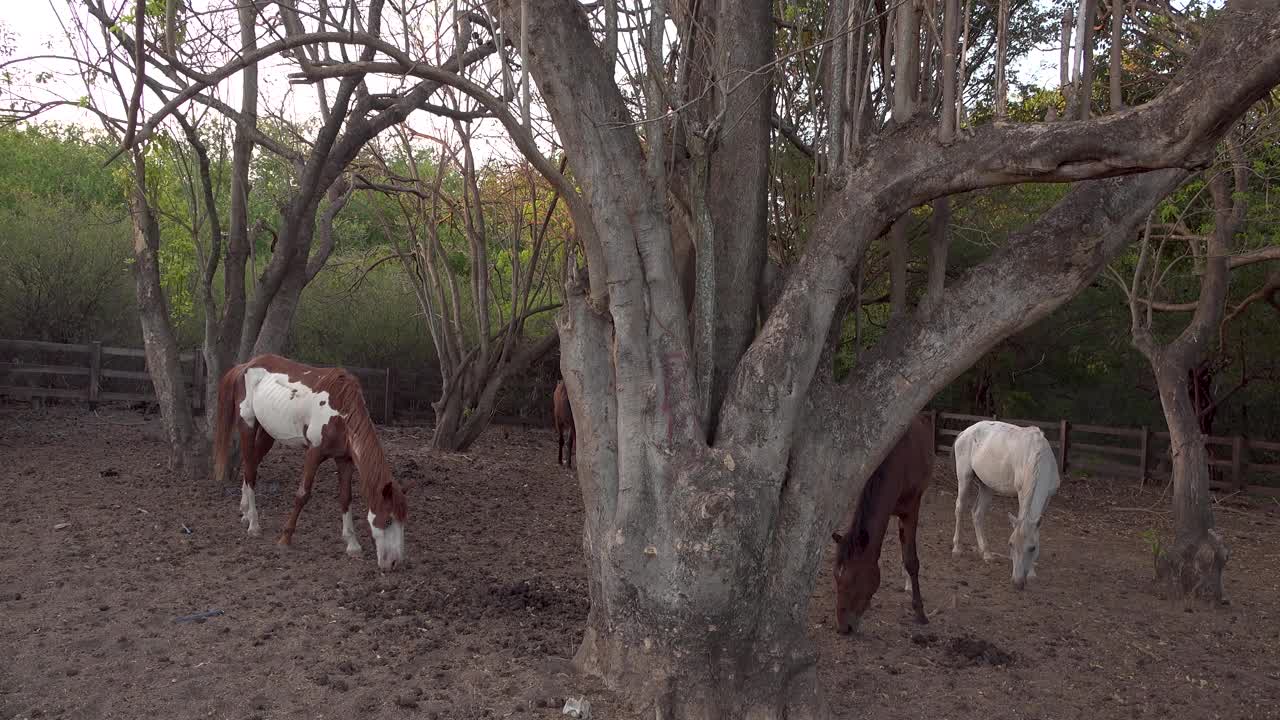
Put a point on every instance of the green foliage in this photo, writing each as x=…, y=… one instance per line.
x=65, y=278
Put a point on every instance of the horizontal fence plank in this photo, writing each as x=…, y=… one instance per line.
x=1264, y=445
x=1264, y=467
x=1107, y=468
x=75, y=393
x=132, y=375
x=21, y=369
x=961, y=416
x=1109, y=449
x=124, y=352
x=1043, y=424
x=128, y=396
x=948, y=432
x=1105, y=430
x=44, y=346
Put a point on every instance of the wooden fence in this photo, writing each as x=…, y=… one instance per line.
x=94, y=373
x=1131, y=452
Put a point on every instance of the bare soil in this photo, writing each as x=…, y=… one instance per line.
x=105, y=556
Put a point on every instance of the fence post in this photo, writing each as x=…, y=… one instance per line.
x=1239, y=446
x=1064, y=444
x=933, y=422
x=388, y=396
x=95, y=373
x=1145, y=449
x=197, y=379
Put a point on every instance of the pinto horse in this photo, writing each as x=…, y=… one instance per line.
x=272, y=399
x=895, y=488
x=995, y=457
x=563, y=417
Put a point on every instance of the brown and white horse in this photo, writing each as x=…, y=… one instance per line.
x=272, y=399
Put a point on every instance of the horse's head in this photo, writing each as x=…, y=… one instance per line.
x=388, y=510
x=1024, y=548
x=857, y=576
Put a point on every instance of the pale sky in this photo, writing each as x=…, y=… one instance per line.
x=37, y=27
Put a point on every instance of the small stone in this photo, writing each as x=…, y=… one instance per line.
x=406, y=701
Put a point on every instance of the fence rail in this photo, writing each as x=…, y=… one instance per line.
x=1133, y=453
x=94, y=383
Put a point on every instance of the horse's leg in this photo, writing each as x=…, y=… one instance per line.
x=559, y=443
x=346, y=469
x=902, y=539
x=980, y=512
x=964, y=492
x=303, y=494
x=911, y=562
x=255, y=443
x=573, y=443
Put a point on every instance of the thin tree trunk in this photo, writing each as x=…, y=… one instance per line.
x=1002, y=54
x=1064, y=61
x=836, y=110
x=1084, y=97
x=1117, y=46
x=159, y=343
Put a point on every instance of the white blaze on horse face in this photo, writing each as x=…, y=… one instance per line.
x=1024, y=548
x=349, y=534
x=388, y=541
x=291, y=412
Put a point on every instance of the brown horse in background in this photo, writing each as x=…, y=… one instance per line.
x=562, y=415
x=272, y=399
x=895, y=488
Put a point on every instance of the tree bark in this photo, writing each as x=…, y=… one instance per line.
x=1192, y=566
x=186, y=454
x=704, y=553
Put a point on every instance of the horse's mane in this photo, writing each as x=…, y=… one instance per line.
x=858, y=537
x=347, y=397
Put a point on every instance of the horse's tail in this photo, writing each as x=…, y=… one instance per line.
x=224, y=420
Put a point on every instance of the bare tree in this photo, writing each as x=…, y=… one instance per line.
x=478, y=352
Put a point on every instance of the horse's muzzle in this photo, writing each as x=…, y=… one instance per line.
x=1020, y=584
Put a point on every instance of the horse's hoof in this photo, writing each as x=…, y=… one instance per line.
x=988, y=557
x=244, y=519
x=354, y=552
x=284, y=541
x=956, y=552
x=922, y=620
x=254, y=531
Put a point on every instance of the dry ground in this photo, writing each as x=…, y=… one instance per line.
x=480, y=624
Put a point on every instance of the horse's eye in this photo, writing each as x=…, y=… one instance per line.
x=1032, y=549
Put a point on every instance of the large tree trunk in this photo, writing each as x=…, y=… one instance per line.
x=702, y=555
x=186, y=448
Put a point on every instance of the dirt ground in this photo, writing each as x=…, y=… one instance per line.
x=103, y=552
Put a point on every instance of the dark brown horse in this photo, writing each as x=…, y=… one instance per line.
x=272, y=399
x=895, y=488
x=563, y=417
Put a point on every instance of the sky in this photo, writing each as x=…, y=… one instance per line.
x=38, y=27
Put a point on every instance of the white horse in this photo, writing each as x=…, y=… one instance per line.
x=1006, y=460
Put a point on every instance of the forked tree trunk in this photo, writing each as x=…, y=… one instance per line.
x=1192, y=566
x=701, y=556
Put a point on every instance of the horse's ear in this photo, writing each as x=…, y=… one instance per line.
x=836, y=536
x=1013, y=520
x=1038, y=521
x=388, y=491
